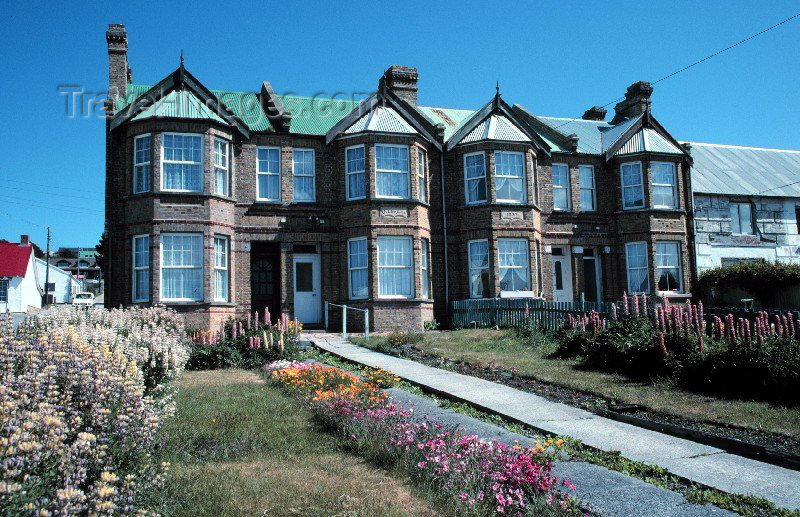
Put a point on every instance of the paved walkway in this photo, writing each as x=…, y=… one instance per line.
x=697, y=462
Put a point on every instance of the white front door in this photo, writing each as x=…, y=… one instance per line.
x=307, y=288
x=562, y=275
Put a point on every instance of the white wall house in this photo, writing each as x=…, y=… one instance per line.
x=746, y=204
x=62, y=284
x=19, y=289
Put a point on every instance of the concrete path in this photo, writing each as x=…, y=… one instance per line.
x=697, y=462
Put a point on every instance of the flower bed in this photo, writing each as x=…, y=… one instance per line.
x=84, y=394
x=473, y=476
x=250, y=343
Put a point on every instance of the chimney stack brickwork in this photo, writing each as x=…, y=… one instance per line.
x=636, y=102
x=402, y=80
x=119, y=74
x=595, y=113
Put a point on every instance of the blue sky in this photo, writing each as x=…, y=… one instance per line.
x=554, y=58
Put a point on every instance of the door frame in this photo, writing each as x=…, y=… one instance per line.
x=316, y=278
x=598, y=264
x=566, y=271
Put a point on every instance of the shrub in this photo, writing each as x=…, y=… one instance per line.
x=430, y=325
x=755, y=276
x=81, y=412
x=404, y=338
x=380, y=377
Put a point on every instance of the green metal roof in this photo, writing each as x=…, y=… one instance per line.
x=452, y=119
x=179, y=104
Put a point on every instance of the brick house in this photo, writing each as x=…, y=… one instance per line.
x=221, y=203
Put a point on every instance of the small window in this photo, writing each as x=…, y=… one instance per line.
x=478, y=252
x=395, y=267
x=561, y=188
x=636, y=261
x=4, y=291
x=221, y=178
x=510, y=177
x=588, y=194
x=741, y=219
x=475, y=177
x=182, y=267
x=422, y=175
x=632, y=191
x=141, y=164
x=355, y=182
x=50, y=286
x=357, y=266
x=558, y=273
x=303, y=169
x=668, y=266
x=268, y=174
x=391, y=172
x=221, y=269
x=665, y=187
x=141, y=268
x=182, y=162
x=424, y=268
x=514, y=269
x=304, y=277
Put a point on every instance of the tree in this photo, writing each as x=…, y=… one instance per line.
x=66, y=253
x=101, y=249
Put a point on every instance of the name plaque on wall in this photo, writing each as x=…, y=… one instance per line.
x=394, y=213
x=511, y=215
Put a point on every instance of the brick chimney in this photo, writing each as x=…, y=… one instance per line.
x=595, y=113
x=119, y=73
x=402, y=80
x=637, y=100
x=24, y=240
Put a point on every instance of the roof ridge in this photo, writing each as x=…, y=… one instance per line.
x=730, y=146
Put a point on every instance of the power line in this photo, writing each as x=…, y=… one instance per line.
x=780, y=186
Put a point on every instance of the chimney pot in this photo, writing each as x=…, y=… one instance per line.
x=24, y=240
x=636, y=102
x=402, y=80
x=573, y=142
x=595, y=113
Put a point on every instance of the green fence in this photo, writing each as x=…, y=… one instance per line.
x=503, y=312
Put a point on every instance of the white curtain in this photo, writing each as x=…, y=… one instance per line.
x=395, y=266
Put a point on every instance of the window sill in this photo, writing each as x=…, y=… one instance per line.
x=677, y=211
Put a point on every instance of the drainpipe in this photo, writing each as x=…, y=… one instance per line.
x=691, y=228
x=444, y=234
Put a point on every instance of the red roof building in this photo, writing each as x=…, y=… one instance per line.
x=14, y=259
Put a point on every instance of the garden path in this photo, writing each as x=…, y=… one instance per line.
x=701, y=463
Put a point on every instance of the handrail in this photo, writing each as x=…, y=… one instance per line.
x=344, y=317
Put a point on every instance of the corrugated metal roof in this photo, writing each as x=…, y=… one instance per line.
x=451, y=118
x=647, y=140
x=383, y=120
x=612, y=134
x=179, y=104
x=588, y=131
x=495, y=127
x=745, y=171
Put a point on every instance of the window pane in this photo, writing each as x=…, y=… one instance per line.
x=479, y=268
x=561, y=189
x=636, y=261
x=358, y=283
x=422, y=186
x=304, y=277
x=182, y=267
x=392, y=171
x=356, y=179
x=513, y=257
x=394, y=266
x=632, y=191
x=668, y=266
x=475, y=173
x=304, y=169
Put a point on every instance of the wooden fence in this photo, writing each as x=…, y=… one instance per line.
x=502, y=312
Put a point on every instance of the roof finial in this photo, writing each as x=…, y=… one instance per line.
x=497, y=87
x=181, y=57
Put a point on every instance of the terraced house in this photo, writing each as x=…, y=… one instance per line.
x=223, y=203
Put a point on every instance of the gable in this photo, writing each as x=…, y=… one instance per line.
x=496, y=127
x=179, y=104
x=648, y=140
x=381, y=119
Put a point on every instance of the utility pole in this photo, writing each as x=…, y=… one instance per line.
x=47, y=270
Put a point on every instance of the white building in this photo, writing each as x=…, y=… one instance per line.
x=746, y=204
x=62, y=284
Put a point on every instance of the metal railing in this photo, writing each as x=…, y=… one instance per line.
x=345, y=308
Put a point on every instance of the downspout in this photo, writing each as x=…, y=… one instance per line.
x=688, y=162
x=444, y=234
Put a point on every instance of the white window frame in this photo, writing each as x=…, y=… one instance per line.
x=163, y=161
x=425, y=267
x=592, y=189
x=738, y=205
x=351, y=268
x=677, y=245
x=640, y=185
x=313, y=175
x=138, y=166
x=4, y=290
x=162, y=267
x=467, y=180
x=523, y=179
x=348, y=172
x=407, y=173
x=673, y=186
x=527, y=254
x=646, y=266
x=471, y=268
x=567, y=188
x=136, y=269
x=422, y=175
x=410, y=267
x=268, y=174
x=222, y=269
x=224, y=169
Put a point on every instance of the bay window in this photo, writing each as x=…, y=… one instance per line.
x=668, y=266
x=475, y=177
x=561, y=187
x=182, y=267
x=636, y=263
x=588, y=192
x=141, y=164
x=303, y=170
x=632, y=188
x=514, y=264
x=141, y=268
x=510, y=177
x=221, y=269
x=221, y=167
x=665, y=187
x=391, y=171
x=268, y=174
x=741, y=219
x=422, y=176
x=357, y=268
x=424, y=268
x=478, y=255
x=395, y=267
x=182, y=162
x=355, y=180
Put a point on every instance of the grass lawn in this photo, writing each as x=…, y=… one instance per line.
x=504, y=348
x=240, y=447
